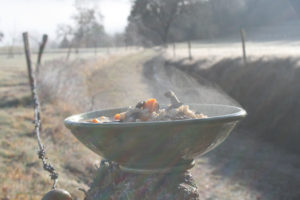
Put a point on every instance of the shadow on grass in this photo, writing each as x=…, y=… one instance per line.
x=24, y=101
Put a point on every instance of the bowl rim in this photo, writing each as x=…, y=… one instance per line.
x=241, y=113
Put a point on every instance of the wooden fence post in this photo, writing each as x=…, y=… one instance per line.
x=37, y=120
x=41, y=50
x=29, y=63
x=189, y=49
x=174, y=50
x=53, y=193
x=70, y=46
x=243, y=35
x=96, y=48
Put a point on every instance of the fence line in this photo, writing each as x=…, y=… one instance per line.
x=64, y=51
x=37, y=120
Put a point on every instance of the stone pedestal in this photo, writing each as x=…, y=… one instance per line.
x=112, y=183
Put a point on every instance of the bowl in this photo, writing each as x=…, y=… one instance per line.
x=156, y=146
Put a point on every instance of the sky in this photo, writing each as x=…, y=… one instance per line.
x=43, y=16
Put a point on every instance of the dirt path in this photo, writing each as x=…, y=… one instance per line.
x=120, y=81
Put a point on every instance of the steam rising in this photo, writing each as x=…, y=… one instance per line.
x=162, y=78
x=122, y=84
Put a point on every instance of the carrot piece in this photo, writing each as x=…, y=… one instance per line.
x=95, y=120
x=117, y=117
x=151, y=105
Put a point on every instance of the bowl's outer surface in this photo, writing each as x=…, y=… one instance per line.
x=151, y=145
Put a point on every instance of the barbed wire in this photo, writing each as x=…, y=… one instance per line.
x=37, y=117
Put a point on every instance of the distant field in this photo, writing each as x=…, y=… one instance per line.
x=211, y=50
x=281, y=40
x=17, y=58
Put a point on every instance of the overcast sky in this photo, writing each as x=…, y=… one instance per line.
x=42, y=16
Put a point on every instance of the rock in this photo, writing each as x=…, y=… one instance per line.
x=57, y=194
x=114, y=184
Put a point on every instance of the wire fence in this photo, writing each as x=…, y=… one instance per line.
x=18, y=51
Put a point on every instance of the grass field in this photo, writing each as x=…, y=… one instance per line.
x=242, y=168
x=21, y=173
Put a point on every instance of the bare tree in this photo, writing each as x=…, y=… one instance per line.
x=155, y=17
x=163, y=21
x=88, y=30
x=65, y=33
